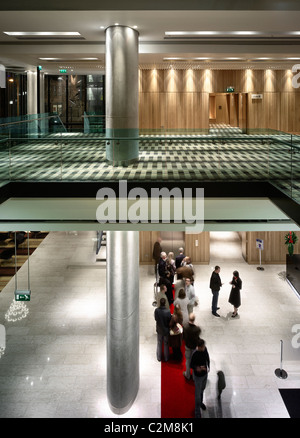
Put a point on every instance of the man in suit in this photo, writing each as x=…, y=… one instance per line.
x=162, y=317
x=215, y=285
x=191, y=333
x=163, y=279
x=179, y=258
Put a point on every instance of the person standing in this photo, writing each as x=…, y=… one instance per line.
x=162, y=294
x=215, y=285
x=183, y=302
x=235, y=293
x=190, y=293
x=170, y=267
x=163, y=277
x=200, y=364
x=191, y=333
x=179, y=258
x=176, y=330
x=157, y=249
x=162, y=317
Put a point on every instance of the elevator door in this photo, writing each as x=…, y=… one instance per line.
x=172, y=241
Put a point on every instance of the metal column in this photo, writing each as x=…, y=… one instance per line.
x=122, y=331
x=122, y=101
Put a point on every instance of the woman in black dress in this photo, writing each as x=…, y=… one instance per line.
x=235, y=294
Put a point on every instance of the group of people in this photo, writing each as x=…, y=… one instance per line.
x=170, y=332
x=215, y=285
x=173, y=329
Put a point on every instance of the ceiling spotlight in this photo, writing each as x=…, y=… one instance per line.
x=116, y=24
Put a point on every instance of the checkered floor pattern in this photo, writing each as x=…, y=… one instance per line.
x=224, y=154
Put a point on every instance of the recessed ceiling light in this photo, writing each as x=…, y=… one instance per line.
x=116, y=24
x=42, y=33
x=293, y=59
x=245, y=32
x=173, y=58
x=50, y=59
x=262, y=58
x=134, y=27
x=193, y=33
x=232, y=58
x=101, y=27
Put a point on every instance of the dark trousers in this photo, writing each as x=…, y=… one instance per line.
x=214, y=303
x=200, y=385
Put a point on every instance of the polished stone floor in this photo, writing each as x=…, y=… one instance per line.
x=55, y=359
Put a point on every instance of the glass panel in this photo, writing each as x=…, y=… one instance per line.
x=47, y=153
x=4, y=161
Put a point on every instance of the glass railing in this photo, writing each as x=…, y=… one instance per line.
x=173, y=155
x=31, y=126
x=93, y=123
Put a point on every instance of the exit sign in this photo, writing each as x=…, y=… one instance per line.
x=22, y=295
x=230, y=89
x=62, y=70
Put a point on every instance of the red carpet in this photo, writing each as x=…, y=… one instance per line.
x=177, y=393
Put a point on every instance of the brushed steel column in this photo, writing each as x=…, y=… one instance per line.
x=122, y=280
x=122, y=101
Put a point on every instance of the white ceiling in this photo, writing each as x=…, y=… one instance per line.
x=152, y=25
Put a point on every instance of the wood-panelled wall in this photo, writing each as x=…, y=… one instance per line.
x=147, y=240
x=199, y=254
x=180, y=98
x=274, y=251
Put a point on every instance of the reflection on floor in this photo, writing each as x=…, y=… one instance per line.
x=55, y=359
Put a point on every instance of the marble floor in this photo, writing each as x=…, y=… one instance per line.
x=54, y=364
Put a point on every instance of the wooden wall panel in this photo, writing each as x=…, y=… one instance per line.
x=233, y=109
x=290, y=112
x=179, y=99
x=264, y=113
x=147, y=240
x=199, y=254
x=274, y=251
x=221, y=79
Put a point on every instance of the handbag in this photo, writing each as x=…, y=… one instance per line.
x=177, y=330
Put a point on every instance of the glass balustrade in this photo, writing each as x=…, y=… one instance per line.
x=52, y=154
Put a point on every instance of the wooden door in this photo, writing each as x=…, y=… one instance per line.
x=222, y=111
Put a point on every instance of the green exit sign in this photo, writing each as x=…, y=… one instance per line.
x=22, y=295
x=62, y=70
x=230, y=89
